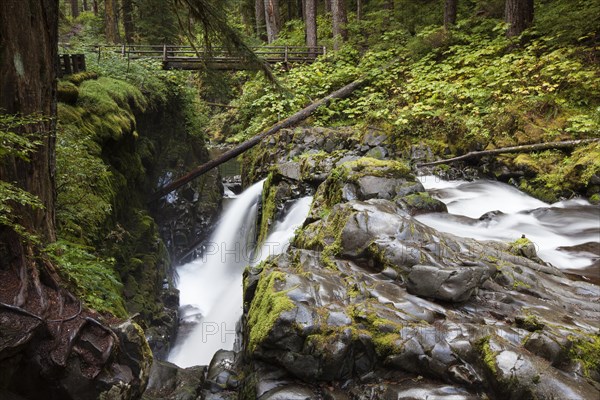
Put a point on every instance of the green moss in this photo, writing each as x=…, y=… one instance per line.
x=268, y=208
x=82, y=76
x=326, y=235
x=488, y=355
x=266, y=307
x=67, y=92
x=586, y=350
x=529, y=322
x=595, y=198
x=386, y=344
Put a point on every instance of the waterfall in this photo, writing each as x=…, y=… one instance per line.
x=283, y=231
x=211, y=286
x=489, y=210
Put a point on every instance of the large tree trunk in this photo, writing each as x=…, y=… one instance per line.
x=519, y=16
x=28, y=86
x=259, y=13
x=273, y=19
x=310, y=13
x=450, y=13
x=128, y=21
x=339, y=19
x=111, y=28
x=75, y=8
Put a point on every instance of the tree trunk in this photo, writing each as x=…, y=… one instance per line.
x=518, y=15
x=358, y=10
x=327, y=6
x=389, y=7
x=259, y=13
x=450, y=13
x=339, y=19
x=111, y=28
x=28, y=86
x=128, y=21
x=311, y=22
x=75, y=8
x=95, y=7
x=273, y=19
x=514, y=149
x=301, y=9
x=247, y=145
x=85, y=6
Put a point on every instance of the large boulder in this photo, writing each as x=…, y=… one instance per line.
x=370, y=300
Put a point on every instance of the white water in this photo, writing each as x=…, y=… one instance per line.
x=562, y=224
x=283, y=231
x=211, y=286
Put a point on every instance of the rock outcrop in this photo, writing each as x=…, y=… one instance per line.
x=369, y=303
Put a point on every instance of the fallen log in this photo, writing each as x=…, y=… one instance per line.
x=514, y=149
x=236, y=151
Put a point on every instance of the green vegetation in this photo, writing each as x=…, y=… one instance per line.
x=487, y=354
x=91, y=278
x=268, y=304
x=459, y=89
x=17, y=143
x=586, y=350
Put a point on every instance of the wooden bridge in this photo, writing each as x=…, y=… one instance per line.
x=188, y=58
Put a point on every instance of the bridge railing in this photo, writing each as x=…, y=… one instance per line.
x=170, y=53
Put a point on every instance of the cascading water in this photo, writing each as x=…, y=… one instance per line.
x=211, y=286
x=283, y=231
x=489, y=210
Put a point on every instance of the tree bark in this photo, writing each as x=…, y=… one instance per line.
x=128, y=21
x=236, y=151
x=518, y=15
x=85, y=6
x=310, y=21
x=359, y=10
x=339, y=20
x=259, y=13
x=450, y=13
x=514, y=149
x=75, y=8
x=28, y=86
x=111, y=28
x=273, y=19
x=95, y=7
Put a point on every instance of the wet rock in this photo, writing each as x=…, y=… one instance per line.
x=169, y=382
x=421, y=203
x=452, y=285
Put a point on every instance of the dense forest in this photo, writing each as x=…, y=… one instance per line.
x=88, y=249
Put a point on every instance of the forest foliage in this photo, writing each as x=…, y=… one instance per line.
x=455, y=89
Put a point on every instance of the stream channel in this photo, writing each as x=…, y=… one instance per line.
x=566, y=234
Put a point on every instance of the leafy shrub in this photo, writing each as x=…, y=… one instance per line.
x=89, y=277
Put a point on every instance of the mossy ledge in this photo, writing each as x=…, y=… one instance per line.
x=267, y=306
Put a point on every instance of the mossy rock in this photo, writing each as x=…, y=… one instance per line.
x=422, y=203
x=82, y=76
x=67, y=92
x=268, y=304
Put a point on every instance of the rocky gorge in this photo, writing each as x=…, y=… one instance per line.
x=370, y=303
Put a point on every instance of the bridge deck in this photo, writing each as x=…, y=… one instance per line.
x=188, y=58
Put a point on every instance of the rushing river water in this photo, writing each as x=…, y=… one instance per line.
x=211, y=286
x=566, y=234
